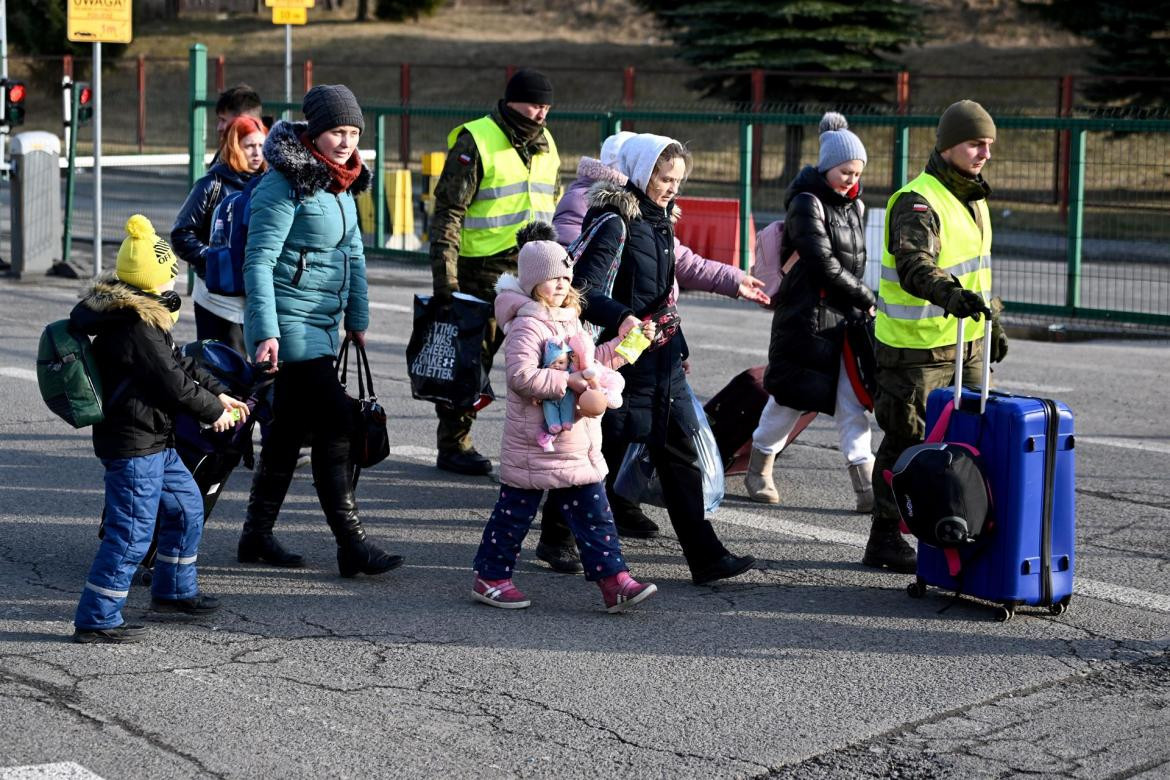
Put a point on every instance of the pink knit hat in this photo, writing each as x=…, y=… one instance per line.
x=541, y=257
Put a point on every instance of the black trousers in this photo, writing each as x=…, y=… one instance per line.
x=308, y=399
x=677, y=463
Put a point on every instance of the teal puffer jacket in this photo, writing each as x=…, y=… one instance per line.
x=304, y=264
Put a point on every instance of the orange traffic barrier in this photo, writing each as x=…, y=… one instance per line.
x=710, y=227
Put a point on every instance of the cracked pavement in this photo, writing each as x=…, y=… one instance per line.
x=808, y=666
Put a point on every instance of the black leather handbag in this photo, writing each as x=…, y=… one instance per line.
x=370, y=441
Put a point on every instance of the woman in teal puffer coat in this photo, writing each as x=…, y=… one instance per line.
x=305, y=273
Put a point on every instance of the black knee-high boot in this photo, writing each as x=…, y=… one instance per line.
x=257, y=542
x=333, y=477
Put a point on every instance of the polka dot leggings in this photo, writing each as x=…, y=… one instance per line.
x=585, y=508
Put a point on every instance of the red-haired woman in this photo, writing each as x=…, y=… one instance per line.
x=239, y=159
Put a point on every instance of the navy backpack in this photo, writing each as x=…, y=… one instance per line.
x=224, y=259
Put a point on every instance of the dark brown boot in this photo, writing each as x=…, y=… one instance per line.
x=887, y=548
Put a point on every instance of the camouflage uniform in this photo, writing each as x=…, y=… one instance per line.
x=907, y=376
x=454, y=192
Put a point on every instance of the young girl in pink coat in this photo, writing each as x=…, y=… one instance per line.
x=538, y=306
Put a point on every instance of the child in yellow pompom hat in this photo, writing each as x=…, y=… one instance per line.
x=146, y=381
x=145, y=260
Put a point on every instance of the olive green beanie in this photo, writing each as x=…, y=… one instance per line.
x=963, y=121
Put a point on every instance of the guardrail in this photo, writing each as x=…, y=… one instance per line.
x=1079, y=234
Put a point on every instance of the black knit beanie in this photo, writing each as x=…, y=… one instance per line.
x=529, y=86
x=327, y=106
x=963, y=121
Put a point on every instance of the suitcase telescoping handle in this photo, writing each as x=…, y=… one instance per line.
x=985, y=384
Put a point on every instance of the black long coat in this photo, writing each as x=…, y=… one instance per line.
x=821, y=289
x=656, y=384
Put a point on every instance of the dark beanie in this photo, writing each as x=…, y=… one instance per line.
x=961, y=122
x=327, y=106
x=529, y=86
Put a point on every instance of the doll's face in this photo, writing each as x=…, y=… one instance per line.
x=561, y=363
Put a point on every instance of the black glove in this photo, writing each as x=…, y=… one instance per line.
x=442, y=296
x=966, y=303
x=999, y=343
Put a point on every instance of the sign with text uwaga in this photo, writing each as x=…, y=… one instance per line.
x=98, y=21
x=290, y=11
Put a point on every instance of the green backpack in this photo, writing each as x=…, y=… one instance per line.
x=68, y=376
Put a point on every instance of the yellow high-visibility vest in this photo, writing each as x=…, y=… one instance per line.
x=511, y=195
x=907, y=321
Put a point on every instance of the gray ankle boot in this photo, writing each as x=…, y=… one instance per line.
x=861, y=475
x=758, y=479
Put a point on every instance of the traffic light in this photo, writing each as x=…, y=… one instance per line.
x=14, y=95
x=84, y=102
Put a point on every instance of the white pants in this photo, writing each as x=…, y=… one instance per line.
x=777, y=422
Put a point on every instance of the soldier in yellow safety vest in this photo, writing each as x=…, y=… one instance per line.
x=936, y=267
x=500, y=174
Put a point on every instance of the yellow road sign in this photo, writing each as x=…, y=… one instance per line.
x=290, y=15
x=98, y=21
x=290, y=3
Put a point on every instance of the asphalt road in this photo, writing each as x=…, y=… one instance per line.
x=810, y=665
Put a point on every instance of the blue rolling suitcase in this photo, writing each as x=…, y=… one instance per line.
x=1027, y=448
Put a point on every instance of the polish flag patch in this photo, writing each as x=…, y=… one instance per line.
x=465, y=159
x=920, y=207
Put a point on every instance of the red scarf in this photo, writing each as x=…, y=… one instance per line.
x=342, y=177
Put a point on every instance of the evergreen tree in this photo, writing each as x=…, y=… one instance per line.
x=1132, y=38
x=401, y=10
x=823, y=36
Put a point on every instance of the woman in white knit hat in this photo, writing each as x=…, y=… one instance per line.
x=823, y=288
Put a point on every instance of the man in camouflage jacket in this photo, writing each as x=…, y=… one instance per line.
x=521, y=116
x=912, y=358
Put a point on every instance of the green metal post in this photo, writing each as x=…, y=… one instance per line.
x=380, y=181
x=900, y=171
x=1076, y=217
x=197, y=141
x=74, y=127
x=745, y=195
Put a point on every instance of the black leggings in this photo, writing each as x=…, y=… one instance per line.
x=308, y=398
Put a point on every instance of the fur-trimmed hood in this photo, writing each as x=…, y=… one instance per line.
x=285, y=153
x=607, y=194
x=595, y=170
x=108, y=297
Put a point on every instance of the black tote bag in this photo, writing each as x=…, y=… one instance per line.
x=443, y=355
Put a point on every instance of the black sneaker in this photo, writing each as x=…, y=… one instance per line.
x=118, y=635
x=635, y=525
x=560, y=559
x=724, y=568
x=199, y=605
x=467, y=462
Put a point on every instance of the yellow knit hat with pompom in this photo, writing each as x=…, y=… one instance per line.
x=145, y=260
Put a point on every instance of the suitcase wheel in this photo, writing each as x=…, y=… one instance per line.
x=1005, y=613
x=142, y=576
x=916, y=589
x=1059, y=607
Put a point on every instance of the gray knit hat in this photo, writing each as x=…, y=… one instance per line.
x=963, y=121
x=327, y=106
x=541, y=257
x=838, y=143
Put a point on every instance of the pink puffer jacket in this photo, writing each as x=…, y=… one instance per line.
x=576, y=459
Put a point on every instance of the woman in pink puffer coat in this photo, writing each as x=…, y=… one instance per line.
x=539, y=306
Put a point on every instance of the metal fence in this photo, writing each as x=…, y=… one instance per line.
x=1079, y=204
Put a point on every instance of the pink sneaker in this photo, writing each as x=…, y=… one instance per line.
x=621, y=591
x=499, y=593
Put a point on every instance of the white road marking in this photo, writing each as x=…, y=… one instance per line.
x=65, y=770
x=1028, y=387
x=1144, y=445
x=398, y=307
x=1095, y=589
x=19, y=373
